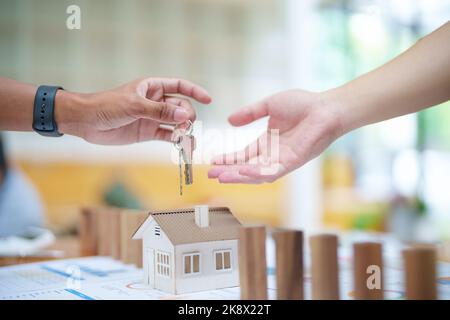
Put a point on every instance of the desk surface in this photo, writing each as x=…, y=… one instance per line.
x=63, y=248
x=97, y=278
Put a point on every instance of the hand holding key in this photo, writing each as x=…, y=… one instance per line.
x=131, y=113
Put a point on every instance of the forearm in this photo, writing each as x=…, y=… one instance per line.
x=417, y=79
x=72, y=111
x=16, y=105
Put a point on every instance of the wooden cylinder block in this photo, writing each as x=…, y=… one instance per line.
x=88, y=232
x=368, y=271
x=324, y=267
x=114, y=216
x=289, y=264
x=420, y=273
x=105, y=227
x=252, y=263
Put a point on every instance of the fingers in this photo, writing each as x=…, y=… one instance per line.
x=230, y=174
x=149, y=130
x=249, y=114
x=180, y=86
x=163, y=135
x=184, y=103
x=238, y=157
x=216, y=171
x=256, y=170
x=242, y=156
x=266, y=173
x=161, y=111
x=235, y=177
x=247, y=173
x=251, y=174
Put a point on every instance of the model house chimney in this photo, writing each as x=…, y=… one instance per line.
x=202, y=216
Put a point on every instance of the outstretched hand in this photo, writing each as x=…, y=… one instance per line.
x=301, y=125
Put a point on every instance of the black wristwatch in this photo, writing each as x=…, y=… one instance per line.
x=44, y=111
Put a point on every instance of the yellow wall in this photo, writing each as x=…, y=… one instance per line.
x=64, y=187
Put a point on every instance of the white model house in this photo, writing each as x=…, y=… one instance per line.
x=190, y=250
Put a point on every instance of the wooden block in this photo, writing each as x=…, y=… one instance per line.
x=367, y=269
x=444, y=251
x=252, y=263
x=289, y=264
x=131, y=249
x=324, y=267
x=88, y=232
x=104, y=232
x=420, y=273
x=115, y=232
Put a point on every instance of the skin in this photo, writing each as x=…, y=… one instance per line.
x=130, y=113
x=308, y=122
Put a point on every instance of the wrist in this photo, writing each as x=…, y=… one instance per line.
x=344, y=104
x=331, y=104
x=351, y=105
x=70, y=110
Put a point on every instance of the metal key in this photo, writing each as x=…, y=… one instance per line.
x=184, y=142
x=187, y=146
x=180, y=163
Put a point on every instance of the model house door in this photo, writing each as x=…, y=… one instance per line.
x=151, y=267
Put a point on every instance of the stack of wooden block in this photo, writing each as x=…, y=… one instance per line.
x=107, y=231
x=419, y=267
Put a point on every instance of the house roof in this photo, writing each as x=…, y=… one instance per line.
x=180, y=227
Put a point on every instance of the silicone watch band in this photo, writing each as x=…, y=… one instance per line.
x=44, y=111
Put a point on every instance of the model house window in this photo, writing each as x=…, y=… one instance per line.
x=162, y=264
x=223, y=260
x=157, y=231
x=191, y=263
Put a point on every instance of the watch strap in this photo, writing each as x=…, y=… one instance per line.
x=44, y=111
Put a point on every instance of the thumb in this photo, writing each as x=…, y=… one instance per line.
x=161, y=111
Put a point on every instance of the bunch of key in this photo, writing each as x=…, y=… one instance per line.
x=184, y=142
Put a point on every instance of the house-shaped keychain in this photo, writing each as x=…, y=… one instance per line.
x=190, y=250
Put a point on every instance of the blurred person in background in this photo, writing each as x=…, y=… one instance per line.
x=20, y=205
x=309, y=122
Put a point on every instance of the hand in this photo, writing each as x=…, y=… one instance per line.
x=130, y=113
x=307, y=123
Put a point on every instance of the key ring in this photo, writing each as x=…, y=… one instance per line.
x=187, y=131
x=189, y=128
